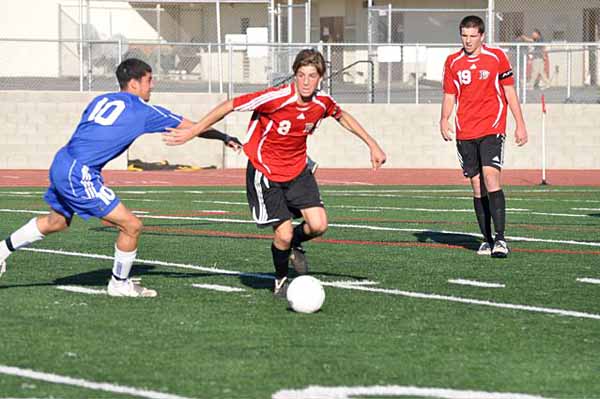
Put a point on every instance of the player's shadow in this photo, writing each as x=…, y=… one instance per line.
x=461, y=240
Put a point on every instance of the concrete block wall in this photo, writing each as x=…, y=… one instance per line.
x=36, y=124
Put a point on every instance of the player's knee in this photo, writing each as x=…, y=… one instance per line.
x=319, y=228
x=52, y=224
x=283, y=239
x=134, y=227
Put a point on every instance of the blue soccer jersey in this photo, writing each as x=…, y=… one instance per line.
x=108, y=126
x=111, y=123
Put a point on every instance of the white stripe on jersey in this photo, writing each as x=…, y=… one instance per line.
x=484, y=51
x=262, y=141
x=500, y=102
x=290, y=100
x=264, y=98
x=158, y=110
x=319, y=103
x=70, y=181
x=462, y=54
x=250, y=131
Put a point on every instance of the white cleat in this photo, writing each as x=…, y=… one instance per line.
x=500, y=249
x=484, y=249
x=129, y=288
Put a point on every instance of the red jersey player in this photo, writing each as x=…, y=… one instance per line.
x=479, y=80
x=279, y=184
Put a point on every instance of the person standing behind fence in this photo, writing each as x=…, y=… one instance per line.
x=538, y=57
x=479, y=80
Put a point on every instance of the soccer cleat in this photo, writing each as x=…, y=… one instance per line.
x=129, y=288
x=2, y=267
x=485, y=249
x=500, y=249
x=280, y=288
x=298, y=260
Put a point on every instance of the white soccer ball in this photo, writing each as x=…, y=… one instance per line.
x=305, y=294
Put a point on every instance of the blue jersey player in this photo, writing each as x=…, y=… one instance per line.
x=108, y=126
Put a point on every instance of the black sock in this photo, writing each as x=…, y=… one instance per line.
x=281, y=259
x=299, y=235
x=484, y=217
x=498, y=210
x=9, y=244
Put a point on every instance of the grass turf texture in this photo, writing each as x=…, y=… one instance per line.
x=207, y=344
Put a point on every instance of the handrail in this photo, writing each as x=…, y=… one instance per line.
x=336, y=73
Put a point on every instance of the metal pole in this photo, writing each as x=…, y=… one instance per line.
x=90, y=68
x=272, y=18
x=371, y=72
x=230, y=66
x=59, y=40
x=158, y=38
x=290, y=26
x=569, y=69
x=219, y=61
x=389, y=64
x=329, y=89
x=417, y=75
x=307, y=24
x=209, y=68
x=543, y=141
x=120, y=50
x=81, y=45
x=518, y=78
x=290, y=12
x=524, y=96
x=490, y=13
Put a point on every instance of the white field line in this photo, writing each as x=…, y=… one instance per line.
x=340, y=285
x=448, y=298
x=217, y=287
x=357, y=226
x=349, y=282
x=589, y=280
x=78, y=382
x=318, y=392
x=357, y=208
x=586, y=209
x=81, y=290
x=366, y=210
x=346, y=183
x=474, y=283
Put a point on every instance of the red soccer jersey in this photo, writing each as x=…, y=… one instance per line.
x=478, y=83
x=276, y=139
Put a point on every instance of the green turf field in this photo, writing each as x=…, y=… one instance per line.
x=391, y=318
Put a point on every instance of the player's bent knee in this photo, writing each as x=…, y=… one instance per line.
x=134, y=227
x=318, y=229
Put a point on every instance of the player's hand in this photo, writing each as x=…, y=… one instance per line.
x=520, y=136
x=446, y=130
x=378, y=157
x=178, y=136
x=234, y=143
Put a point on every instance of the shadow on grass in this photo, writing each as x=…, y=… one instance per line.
x=461, y=240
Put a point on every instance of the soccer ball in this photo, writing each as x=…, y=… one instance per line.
x=305, y=294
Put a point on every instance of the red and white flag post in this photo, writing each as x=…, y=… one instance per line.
x=544, y=141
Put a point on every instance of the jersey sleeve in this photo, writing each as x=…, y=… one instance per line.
x=263, y=101
x=158, y=119
x=505, y=72
x=448, y=79
x=333, y=110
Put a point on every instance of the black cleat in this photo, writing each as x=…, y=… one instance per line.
x=298, y=260
x=280, y=288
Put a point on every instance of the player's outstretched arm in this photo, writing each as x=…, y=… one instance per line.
x=378, y=157
x=515, y=108
x=447, y=106
x=184, y=133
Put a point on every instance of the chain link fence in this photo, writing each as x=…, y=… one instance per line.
x=399, y=60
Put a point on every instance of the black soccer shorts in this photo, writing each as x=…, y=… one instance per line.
x=272, y=203
x=477, y=153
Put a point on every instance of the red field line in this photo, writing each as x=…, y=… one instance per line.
x=229, y=234
x=236, y=177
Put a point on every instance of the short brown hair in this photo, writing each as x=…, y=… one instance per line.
x=310, y=57
x=472, y=21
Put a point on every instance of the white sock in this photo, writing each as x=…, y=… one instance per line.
x=4, y=251
x=123, y=262
x=26, y=235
